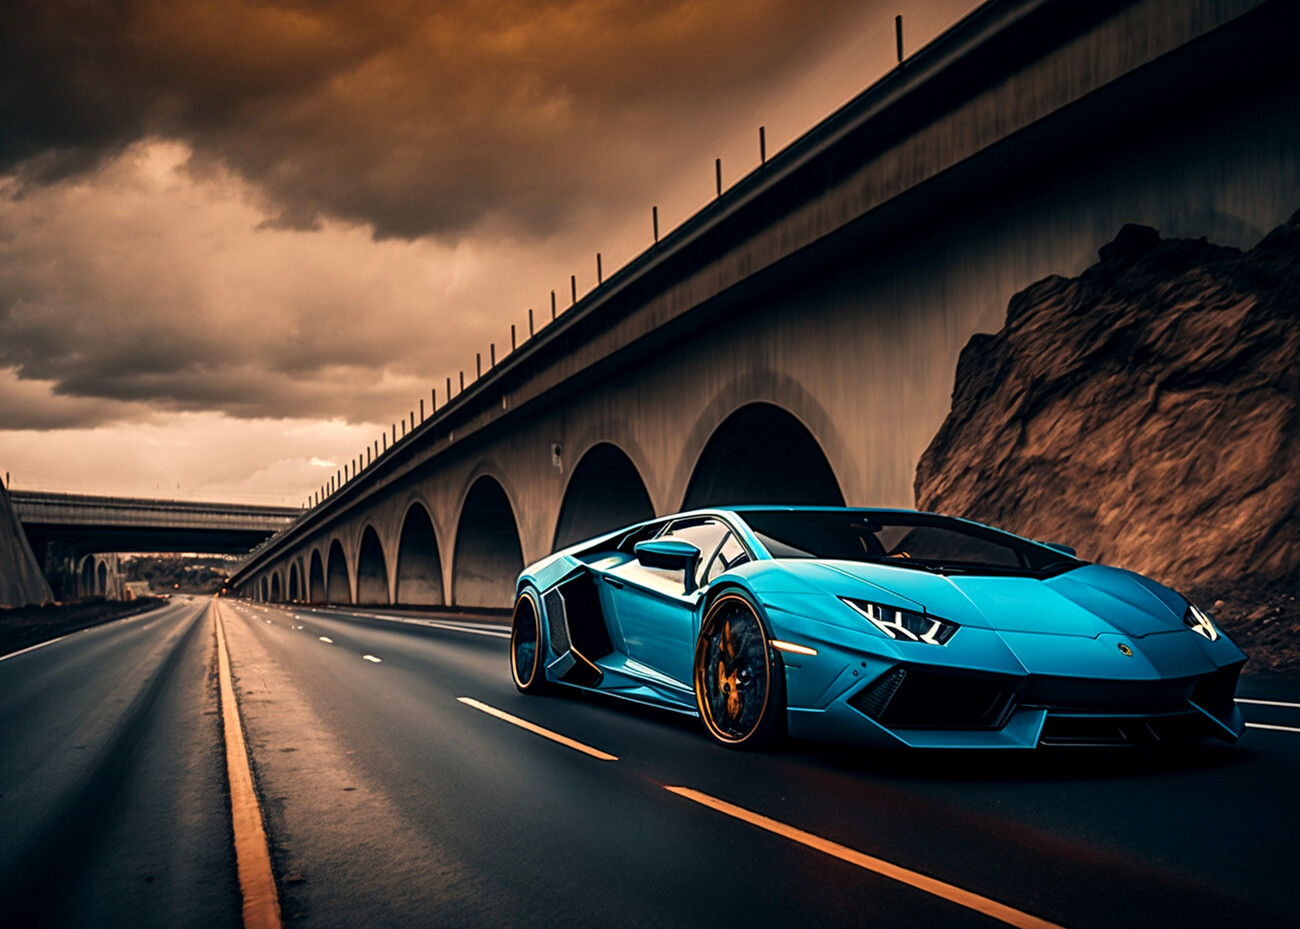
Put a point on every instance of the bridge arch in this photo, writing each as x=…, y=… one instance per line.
x=295, y=583
x=101, y=577
x=488, y=556
x=338, y=586
x=762, y=453
x=263, y=589
x=316, y=578
x=86, y=577
x=372, y=569
x=419, y=560
x=277, y=592
x=604, y=492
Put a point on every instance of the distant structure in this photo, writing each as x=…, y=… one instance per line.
x=75, y=536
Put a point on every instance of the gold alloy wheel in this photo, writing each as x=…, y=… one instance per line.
x=526, y=645
x=737, y=679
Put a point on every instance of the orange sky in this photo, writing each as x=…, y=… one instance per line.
x=238, y=239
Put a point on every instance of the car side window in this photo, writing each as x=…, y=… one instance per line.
x=628, y=543
x=705, y=533
x=731, y=554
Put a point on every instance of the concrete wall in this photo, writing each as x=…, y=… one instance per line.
x=858, y=345
x=21, y=580
x=100, y=575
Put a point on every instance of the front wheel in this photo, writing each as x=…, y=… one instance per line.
x=739, y=681
x=526, y=646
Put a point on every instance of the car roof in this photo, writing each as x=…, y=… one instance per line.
x=752, y=507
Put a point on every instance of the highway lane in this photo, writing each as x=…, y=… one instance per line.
x=391, y=802
x=113, y=804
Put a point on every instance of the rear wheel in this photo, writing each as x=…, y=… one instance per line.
x=526, y=645
x=738, y=677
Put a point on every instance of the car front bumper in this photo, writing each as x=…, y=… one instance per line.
x=999, y=690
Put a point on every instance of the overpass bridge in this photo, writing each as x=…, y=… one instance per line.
x=72, y=533
x=796, y=340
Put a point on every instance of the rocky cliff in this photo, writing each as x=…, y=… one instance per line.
x=1147, y=412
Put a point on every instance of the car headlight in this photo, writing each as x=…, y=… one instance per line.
x=904, y=625
x=1199, y=622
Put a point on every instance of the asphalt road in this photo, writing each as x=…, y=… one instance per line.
x=391, y=802
x=114, y=808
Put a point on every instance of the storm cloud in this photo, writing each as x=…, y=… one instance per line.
x=139, y=288
x=240, y=238
x=416, y=118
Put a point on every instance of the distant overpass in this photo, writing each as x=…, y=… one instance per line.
x=796, y=340
x=79, y=524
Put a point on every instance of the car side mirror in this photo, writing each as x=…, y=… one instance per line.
x=670, y=555
x=1062, y=548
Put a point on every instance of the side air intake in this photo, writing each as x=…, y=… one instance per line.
x=571, y=665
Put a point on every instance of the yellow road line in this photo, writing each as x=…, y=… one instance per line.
x=884, y=868
x=253, y=858
x=538, y=730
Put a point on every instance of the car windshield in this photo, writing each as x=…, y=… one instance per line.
x=911, y=540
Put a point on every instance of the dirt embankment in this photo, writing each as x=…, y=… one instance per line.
x=1147, y=412
x=31, y=625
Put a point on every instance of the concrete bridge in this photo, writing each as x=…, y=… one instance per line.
x=75, y=536
x=796, y=340
x=97, y=574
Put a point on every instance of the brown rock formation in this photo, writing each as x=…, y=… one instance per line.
x=1147, y=413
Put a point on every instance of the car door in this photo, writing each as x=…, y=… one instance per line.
x=654, y=612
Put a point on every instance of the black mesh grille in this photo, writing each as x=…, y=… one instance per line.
x=922, y=698
x=559, y=635
x=873, y=698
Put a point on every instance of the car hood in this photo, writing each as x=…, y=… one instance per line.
x=1088, y=601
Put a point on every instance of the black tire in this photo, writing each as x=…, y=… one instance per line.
x=739, y=678
x=528, y=645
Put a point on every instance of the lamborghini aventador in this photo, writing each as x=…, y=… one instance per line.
x=873, y=626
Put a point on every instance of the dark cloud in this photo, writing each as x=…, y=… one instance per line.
x=143, y=289
x=420, y=119
x=32, y=405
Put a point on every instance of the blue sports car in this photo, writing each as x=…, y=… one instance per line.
x=880, y=627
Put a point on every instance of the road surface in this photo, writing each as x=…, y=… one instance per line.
x=402, y=786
